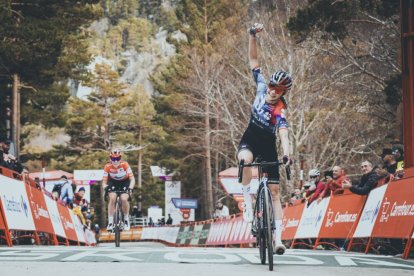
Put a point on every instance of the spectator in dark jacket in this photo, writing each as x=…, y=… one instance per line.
x=390, y=162
x=368, y=181
x=8, y=160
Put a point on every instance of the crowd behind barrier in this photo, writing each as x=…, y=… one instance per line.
x=343, y=221
x=27, y=212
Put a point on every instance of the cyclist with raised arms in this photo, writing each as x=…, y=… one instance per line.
x=118, y=176
x=268, y=117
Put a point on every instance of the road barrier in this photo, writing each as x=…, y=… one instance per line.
x=26, y=212
x=387, y=212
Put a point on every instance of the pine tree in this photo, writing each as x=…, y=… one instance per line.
x=189, y=88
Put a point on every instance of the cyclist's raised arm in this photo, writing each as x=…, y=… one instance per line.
x=253, y=61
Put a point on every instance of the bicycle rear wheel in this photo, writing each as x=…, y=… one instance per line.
x=117, y=223
x=267, y=227
x=261, y=240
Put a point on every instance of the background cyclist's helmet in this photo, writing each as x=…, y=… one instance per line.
x=115, y=155
x=314, y=172
x=281, y=78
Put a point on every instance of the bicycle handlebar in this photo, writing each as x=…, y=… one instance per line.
x=261, y=164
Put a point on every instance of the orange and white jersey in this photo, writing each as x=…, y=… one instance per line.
x=122, y=172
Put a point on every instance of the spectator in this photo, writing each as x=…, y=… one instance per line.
x=169, y=220
x=316, y=187
x=297, y=194
x=135, y=212
x=150, y=222
x=66, y=192
x=398, y=153
x=334, y=183
x=56, y=191
x=221, y=211
x=90, y=217
x=25, y=174
x=368, y=181
x=9, y=161
x=390, y=163
x=97, y=230
x=79, y=200
x=37, y=182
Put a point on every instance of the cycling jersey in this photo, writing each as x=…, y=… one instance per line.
x=120, y=173
x=269, y=117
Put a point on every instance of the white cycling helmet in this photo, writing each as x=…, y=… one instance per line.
x=281, y=78
x=314, y=172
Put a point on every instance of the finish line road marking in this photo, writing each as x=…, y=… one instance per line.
x=198, y=256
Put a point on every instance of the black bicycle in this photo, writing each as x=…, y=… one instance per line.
x=118, y=222
x=263, y=216
x=118, y=218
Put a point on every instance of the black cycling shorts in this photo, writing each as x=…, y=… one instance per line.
x=262, y=145
x=122, y=185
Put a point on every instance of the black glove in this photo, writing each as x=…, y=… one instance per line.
x=286, y=160
x=106, y=190
x=256, y=28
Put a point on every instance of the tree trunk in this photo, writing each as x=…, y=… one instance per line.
x=207, y=140
x=16, y=115
x=139, y=171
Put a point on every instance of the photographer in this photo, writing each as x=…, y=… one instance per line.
x=315, y=187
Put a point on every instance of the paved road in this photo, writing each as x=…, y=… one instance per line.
x=156, y=259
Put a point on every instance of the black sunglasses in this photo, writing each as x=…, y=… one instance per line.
x=116, y=158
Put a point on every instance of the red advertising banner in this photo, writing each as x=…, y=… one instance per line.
x=291, y=220
x=219, y=232
x=396, y=215
x=342, y=216
x=67, y=223
x=2, y=224
x=240, y=232
x=40, y=212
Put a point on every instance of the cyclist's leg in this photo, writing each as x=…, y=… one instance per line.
x=246, y=155
x=274, y=180
x=246, y=152
x=125, y=204
x=111, y=204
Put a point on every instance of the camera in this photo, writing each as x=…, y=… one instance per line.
x=307, y=185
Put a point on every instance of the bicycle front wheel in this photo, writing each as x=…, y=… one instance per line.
x=267, y=226
x=117, y=223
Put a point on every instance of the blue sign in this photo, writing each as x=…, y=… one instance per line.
x=185, y=203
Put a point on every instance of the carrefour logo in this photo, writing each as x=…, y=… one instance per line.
x=15, y=206
x=24, y=206
x=371, y=213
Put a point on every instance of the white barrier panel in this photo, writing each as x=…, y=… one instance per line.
x=312, y=218
x=148, y=233
x=370, y=212
x=90, y=237
x=16, y=204
x=55, y=217
x=171, y=235
x=78, y=227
